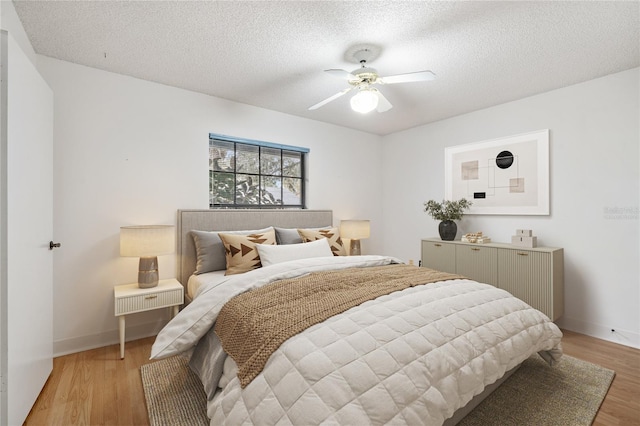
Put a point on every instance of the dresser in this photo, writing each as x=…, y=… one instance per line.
x=534, y=275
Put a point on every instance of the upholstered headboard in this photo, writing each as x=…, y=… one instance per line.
x=236, y=220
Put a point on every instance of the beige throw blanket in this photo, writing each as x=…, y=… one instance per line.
x=252, y=325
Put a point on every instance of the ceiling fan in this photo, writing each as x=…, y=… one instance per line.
x=364, y=78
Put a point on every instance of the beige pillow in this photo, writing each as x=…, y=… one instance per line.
x=240, y=250
x=332, y=234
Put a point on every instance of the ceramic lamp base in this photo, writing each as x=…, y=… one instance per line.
x=148, y=272
x=354, y=248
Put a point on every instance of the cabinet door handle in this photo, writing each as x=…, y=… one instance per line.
x=475, y=249
x=438, y=245
x=523, y=254
x=155, y=296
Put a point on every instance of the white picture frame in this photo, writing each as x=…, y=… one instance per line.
x=505, y=176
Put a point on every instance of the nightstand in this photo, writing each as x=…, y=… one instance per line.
x=130, y=299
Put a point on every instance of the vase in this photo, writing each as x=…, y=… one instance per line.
x=447, y=230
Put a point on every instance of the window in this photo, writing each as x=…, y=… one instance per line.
x=252, y=174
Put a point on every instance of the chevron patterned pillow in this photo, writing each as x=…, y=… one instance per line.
x=332, y=234
x=240, y=250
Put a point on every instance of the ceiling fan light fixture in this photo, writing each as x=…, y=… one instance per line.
x=366, y=100
x=362, y=80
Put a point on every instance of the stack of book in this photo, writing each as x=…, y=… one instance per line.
x=475, y=237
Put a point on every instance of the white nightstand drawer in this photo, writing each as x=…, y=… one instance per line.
x=143, y=302
x=130, y=298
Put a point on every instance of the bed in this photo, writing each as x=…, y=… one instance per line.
x=368, y=339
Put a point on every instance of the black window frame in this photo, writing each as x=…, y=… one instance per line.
x=283, y=149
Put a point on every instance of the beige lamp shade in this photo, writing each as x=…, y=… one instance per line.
x=355, y=229
x=147, y=240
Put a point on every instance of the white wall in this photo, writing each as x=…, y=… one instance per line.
x=128, y=151
x=594, y=170
x=10, y=22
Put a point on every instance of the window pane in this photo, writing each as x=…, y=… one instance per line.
x=292, y=191
x=291, y=164
x=221, y=156
x=254, y=174
x=247, y=158
x=221, y=188
x=247, y=189
x=271, y=163
x=271, y=190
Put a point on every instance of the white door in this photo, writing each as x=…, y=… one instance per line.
x=27, y=228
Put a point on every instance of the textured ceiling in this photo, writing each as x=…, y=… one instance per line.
x=272, y=54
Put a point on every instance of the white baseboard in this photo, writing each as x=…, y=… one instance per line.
x=622, y=337
x=85, y=343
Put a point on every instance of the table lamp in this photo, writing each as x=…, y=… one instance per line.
x=147, y=242
x=354, y=230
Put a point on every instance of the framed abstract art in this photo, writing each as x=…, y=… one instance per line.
x=509, y=175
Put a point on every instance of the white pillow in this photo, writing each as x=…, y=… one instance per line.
x=272, y=254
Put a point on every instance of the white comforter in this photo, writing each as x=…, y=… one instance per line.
x=411, y=357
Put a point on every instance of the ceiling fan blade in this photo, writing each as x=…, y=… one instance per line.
x=383, y=103
x=408, y=78
x=329, y=99
x=345, y=75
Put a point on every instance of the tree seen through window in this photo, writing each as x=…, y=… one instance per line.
x=253, y=174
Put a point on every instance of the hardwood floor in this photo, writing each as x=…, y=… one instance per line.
x=97, y=388
x=622, y=404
